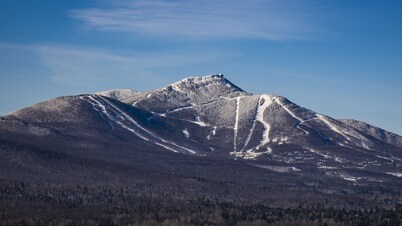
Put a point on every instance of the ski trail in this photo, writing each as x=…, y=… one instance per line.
x=198, y=122
x=264, y=101
x=115, y=120
x=301, y=121
x=331, y=126
x=250, y=133
x=236, y=124
x=102, y=110
x=363, y=141
x=130, y=119
x=176, y=110
x=189, y=106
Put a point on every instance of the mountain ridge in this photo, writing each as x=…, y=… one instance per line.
x=209, y=116
x=379, y=133
x=197, y=140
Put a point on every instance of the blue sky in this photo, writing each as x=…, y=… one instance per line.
x=341, y=58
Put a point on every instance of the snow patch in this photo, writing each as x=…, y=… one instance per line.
x=279, y=169
x=280, y=140
x=249, y=155
x=318, y=153
x=212, y=133
x=327, y=167
x=236, y=124
x=396, y=174
x=199, y=122
x=350, y=178
x=186, y=133
x=335, y=158
x=386, y=158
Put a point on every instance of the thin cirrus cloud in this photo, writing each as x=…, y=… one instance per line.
x=261, y=19
x=95, y=68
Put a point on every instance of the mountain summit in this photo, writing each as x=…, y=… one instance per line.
x=202, y=117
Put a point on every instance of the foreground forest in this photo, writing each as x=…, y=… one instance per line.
x=143, y=204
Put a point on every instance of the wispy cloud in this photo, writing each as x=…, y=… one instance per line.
x=96, y=68
x=90, y=69
x=261, y=19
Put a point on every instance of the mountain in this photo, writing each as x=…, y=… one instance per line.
x=374, y=131
x=198, y=137
x=118, y=94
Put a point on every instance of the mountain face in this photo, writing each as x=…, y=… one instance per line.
x=118, y=94
x=199, y=127
x=375, y=132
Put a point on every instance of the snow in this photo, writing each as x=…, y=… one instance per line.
x=346, y=132
x=201, y=123
x=301, y=121
x=350, y=178
x=188, y=84
x=186, y=133
x=104, y=111
x=250, y=154
x=264, y=102
x=177, y=88
x=177, y=109
x=335, y=158
x=102, y=107
x=208, y=89
x=164, y=143
x=197, y=120
x=269, y=150
x=327, y=167
x=280, y=140
x=236, y=124
x=318, y=153
x=396, y=174
x=386, y=158
x=95, y=105
x=119, y=94
x=212, y=133
x=279, y=169
x=331, y=126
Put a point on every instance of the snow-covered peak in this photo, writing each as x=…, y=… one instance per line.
x=215, y=82
x=189, y=91
x=119, y=94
